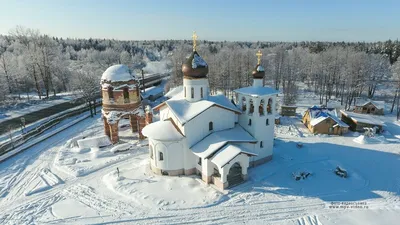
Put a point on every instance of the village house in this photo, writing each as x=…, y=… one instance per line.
x=324, y=121
x=208, y=135
x=358, y=122
x=369, y=107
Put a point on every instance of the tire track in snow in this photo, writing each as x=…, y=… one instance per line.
x=27, y=161
x=30, y=212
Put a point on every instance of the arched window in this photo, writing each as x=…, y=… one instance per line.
x=251, y=107
x=201, y=92
x=126, y=95
x=110, y=91
x=244, y=106
x=261, y=108
x=267, y=122
x=184, y=92
x=151, y=152
x=269, y=106
x=210, y=126
x=192, y=92
x=261, y=144
x=161, y=158
x=249, y=122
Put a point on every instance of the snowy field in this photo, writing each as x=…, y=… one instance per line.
x=57, y=182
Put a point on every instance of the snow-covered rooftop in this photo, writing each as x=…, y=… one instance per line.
x=256, y=91
x=185, y=111
x=226, y=154
x=316, y=111
x=318, y=120
x=217, y=140
x=162, y=131
x=325, y=116
x=318, y=115
x=377, y=104
x=362, y=118
x=117, y=73
x=152, y=91
x=174, y=92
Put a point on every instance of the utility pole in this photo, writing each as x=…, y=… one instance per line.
x=143, y=86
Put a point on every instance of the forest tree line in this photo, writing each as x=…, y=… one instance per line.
x=35, y=62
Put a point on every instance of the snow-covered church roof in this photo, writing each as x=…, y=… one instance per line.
x=256, y=91
x=219, y=139
x=117, y=73
x=174, y=92
x=227, y=153
x=162, y=131
x=185, y=111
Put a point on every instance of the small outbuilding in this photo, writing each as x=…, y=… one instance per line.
x=370, y=107
x=288, y=110
x=358, y=122
x=324, y=121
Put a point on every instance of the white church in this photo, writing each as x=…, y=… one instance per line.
x=205, y=134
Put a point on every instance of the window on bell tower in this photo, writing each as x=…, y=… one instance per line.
x=244, y=106
x=269, y=106
x=261, y=108
x=251, y=111
x=201, y=92
x=192, y=92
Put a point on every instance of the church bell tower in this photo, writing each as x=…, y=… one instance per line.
x=195, y=81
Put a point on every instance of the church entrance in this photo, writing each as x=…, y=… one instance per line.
x=235, y=175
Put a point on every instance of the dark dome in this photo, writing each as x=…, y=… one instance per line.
x=258, y=72
x=195, y=66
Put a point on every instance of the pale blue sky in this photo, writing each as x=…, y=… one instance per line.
x=234, y=20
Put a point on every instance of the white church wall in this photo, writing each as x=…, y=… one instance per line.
x=172, y=152
x=198, y=128
x=190, y=158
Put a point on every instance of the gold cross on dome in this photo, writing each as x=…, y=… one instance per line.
x=259, y=54
x=194, y=38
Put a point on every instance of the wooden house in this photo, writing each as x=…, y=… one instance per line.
x=358, y=122
x=324, y=121
x=370, y=107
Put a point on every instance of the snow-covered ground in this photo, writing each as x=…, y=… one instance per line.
x=58, y=182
